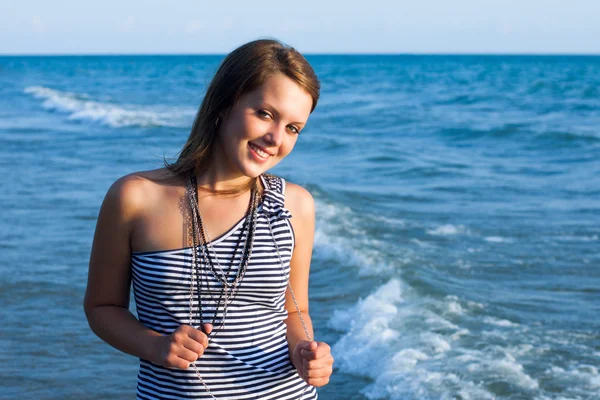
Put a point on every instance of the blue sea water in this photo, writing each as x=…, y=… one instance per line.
x=457, y=247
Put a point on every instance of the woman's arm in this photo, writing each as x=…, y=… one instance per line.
x=106, y=302
x=313, y=360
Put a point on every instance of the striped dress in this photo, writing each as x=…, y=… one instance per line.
x=248, y=357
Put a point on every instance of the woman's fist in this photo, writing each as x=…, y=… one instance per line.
x=181, y=348
x=313, y=361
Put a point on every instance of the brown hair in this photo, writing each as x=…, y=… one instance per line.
x=243, y=70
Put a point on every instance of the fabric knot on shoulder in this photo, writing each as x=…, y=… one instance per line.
x=273, y=199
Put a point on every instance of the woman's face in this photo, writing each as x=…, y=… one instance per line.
x=262, y=128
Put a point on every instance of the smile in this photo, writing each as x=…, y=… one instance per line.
x=258, y=151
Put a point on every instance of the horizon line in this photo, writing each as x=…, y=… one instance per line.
x=133, y=54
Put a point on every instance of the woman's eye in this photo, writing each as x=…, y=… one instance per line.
x=294, y=129
x=264, y=114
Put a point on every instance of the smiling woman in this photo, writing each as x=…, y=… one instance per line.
x=217, y=249
x=279, y=107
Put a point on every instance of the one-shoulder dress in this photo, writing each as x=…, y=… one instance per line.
x=248, y=358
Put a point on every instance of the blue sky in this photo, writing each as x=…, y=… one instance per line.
x=351, y=26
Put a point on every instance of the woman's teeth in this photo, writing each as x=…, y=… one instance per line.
x=259, y=151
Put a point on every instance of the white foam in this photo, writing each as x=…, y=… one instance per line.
x=448, y=230
x=512, y=371
x=453, y=305
x=437, y=321
x=338, y=237
x=500, y=362
x=461, y=332
x=414, y=347
x=499, y=322
x=396, y=222
x=582, y=377
x=497, y=239
x=421, y=243
x=435, y=342
x=369, y=333
x=81, y=107
x=392, y=341
x=406, y=359
x=495, y=334
x=522, y=349
x=381, y=306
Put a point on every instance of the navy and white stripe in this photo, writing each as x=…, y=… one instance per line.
x=248, y=357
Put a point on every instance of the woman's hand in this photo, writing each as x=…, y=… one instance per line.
x=313, y=361
x=181, y=348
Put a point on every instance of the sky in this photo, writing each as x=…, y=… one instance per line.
x=311, y=26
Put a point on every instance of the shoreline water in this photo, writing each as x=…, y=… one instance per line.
x=457, y=221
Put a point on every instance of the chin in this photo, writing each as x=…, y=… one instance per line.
x=253, y=171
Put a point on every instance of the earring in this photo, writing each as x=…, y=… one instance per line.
x=217, y=121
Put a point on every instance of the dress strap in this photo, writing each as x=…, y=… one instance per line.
x=274, y=196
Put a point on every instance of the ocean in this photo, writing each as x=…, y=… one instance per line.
x=457, y=246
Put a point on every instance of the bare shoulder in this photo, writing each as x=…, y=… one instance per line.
x=132, y=193
x=299, y=201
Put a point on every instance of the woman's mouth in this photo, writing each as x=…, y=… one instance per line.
x=258, y=153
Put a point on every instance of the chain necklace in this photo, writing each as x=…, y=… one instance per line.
x=229, y=288
x=193, y=281
x=289, y=285
x=220, y=274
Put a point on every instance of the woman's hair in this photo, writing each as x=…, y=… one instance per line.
x=243, y=70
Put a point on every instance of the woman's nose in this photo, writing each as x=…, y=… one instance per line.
x=275, y=134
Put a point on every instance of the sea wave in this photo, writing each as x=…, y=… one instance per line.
x=498, y=239
x=81, y=107
x=415, y=347
x=448, y=230
x=340, y=237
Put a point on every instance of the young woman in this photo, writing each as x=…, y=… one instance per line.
x=217, y=249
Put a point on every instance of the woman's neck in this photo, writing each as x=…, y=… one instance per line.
x=217, y=183
x=217, y=179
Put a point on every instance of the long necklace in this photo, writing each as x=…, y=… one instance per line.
x=221, y=275
x=289, y=285
x=193, y=281
x=227, y=291
x=229, y=288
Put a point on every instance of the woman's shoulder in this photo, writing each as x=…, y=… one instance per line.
x=299, y=201
x=137, y=191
